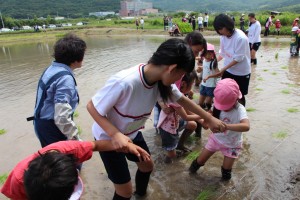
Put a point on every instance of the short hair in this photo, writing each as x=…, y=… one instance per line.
x=69, y=49
x=223, y=21
x=196, y=38
x=52, y=175
x=252, y=15
x=189, y=77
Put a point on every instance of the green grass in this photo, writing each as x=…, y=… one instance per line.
x=258, y=89
x=292, y=85
x=260, y=79
x=284, y=67
x=280, y=135
x=192, y=156
x=206, y=194
x=285, y=91
x=3, y=178
x=276, y=55
x=274, y=73
x=79, y=130
x=250, y=109
x=2, y=131
x=76, y=114
x=293, y=110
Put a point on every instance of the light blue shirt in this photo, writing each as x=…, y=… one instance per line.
x=62, y=90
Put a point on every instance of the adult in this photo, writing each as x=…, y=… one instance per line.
x=268, y=24
x=235, y=51
x=170, y=23
x=142, y=23
x=165, y=23
x=206, y=17
x=137, y=23
x=57, y=95
x=295, y=22
x=200, y=23
x=193, y=23
x=51, y=172
x=254, y=36
x=242, y=22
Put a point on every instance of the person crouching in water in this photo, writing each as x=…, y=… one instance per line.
x=294, y=46
x=230, y=111
x=170, y=124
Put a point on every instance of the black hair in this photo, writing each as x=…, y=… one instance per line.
x=52, y=175
x=196, y=38
x=69, y=49
x=189, y=77
x=214, y=63
x=216, y=113
x=223, y=21
x=252, y=15
x=173, y=51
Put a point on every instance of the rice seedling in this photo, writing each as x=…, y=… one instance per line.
x=192, y=156
x=3, y=178
x=79, y=130
x=2, y=131
x=259, y=89
x=285, y=91
x=276, y=55
x=293, y=110
x=76, y=114
x=292, y=85
x=280, y=135
x=250, y=109
x=206, y=194
x=265, y=70
x=260, y=79
x=284, y=67
x=274, y=73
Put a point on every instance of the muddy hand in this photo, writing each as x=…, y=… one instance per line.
x=216, y=125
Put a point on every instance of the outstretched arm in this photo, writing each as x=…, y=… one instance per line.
x=243, y=126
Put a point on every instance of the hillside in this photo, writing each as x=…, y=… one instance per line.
x=79, y=8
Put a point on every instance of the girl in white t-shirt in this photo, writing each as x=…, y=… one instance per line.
x=121, y=108
x=229, y=142
x=209, y=70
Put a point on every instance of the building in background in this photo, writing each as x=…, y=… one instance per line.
x=136, y=7
x=101, y=14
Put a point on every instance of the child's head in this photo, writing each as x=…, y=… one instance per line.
x=187, y=82
x=210, y=55
x=173, y=58
x=69, y=49
x=227, y=93
x=224, y=25
x=52, y=175
x=251, y=17
x=197, y=42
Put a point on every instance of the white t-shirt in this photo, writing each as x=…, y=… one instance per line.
x=254, y=32
x=236, y=48
x=127, y=101
x=269, y=22
x=206, y=18
x=200, y=20
x=206, y=72
x=142, y=21
x=232, y=139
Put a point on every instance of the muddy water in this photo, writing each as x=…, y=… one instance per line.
x=262, y=171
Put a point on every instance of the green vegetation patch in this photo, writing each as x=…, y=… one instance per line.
x=292, y=85
x=76, y=114
x=79, y=130
x=250, y=109
x=192, y=156
x=280, y=135
x=2, y=131
x=191, y=139
x=293, y=110
x=3, y=178
x=274, y=73
x=207, y=193
x=276, y=55
x=265, y=70
x=260, y=79
x=285, y=91
x=258, y=89
x=284, y=67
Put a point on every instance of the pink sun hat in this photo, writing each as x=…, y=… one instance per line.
x=210, y=47
x=226, y=94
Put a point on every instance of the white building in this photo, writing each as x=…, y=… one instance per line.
x=101, y=14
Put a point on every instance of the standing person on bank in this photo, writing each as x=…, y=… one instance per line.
x=57, y=96
x=234, y=48
x=254, y=36
x=120, y=109
x=206, y=17
x=200, y=23
x=242, y=23
x=268, y=24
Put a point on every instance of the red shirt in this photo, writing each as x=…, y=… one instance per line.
x=277, y=24
x=14, y=186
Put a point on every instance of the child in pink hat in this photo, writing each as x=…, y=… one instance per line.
x=233, y=114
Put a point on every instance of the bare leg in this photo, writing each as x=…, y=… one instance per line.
x=201, y=160
x=189, y=129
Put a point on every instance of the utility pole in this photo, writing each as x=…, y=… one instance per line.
x=2, y=19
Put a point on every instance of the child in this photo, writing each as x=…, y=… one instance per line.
x=121, y=108
x=170, y=125
x=230, y=111
x=209, y=69
x=57, y=96
x=277, y=26
x=294, y=49
x=51, y=172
